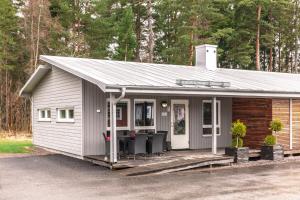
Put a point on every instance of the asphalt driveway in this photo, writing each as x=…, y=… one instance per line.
x=58, y=177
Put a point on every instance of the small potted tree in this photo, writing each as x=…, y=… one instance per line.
x=271, y=150
x=237, y=149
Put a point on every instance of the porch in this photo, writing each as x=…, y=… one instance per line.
x=170, y=161
x=192, y=123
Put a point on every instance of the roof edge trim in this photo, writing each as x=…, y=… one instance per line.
x=38, y=74
x=101, y=85
x=225, y=93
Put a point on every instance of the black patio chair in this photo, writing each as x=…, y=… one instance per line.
x=137, y=145
x=156, y=144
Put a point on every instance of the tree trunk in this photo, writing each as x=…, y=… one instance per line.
x=296, y=25
x=126, y=49
x=32, y=56
x=257, y=37
x=270, y=67
x=279, y=53
x=191, y=46
x=6, y=100
x=38, y=35
x=138, y=31
x=150, y=32
x=271, y=60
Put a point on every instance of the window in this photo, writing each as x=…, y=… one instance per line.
x=144, y=114
x=65, y=115
x=44, y=115
x=119, y=113
x=122, y=114
x=207, y=117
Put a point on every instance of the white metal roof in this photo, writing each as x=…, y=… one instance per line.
x=161, y=78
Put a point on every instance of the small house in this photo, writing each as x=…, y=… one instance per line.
x=75, y=100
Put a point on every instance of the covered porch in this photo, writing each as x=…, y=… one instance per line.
x=191, y=123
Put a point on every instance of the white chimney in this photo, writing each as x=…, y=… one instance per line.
x=206, y=56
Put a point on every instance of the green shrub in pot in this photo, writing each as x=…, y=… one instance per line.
x=270, y=140
x=238, y=130
x=237, y=149
x=271, y=150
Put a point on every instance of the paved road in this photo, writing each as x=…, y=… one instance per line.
x=58, y=177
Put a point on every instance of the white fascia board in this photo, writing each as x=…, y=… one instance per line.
x=101, y=85
x=38, y=74
x=254, y=94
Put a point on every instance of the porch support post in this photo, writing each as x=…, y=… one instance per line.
x=214, y=125
x=113, y=130
x=291, y=123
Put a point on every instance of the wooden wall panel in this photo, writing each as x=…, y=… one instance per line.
x=296, y=124
x=256, y=113
x=281, y=111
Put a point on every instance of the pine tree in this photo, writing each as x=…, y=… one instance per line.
x=126, y=41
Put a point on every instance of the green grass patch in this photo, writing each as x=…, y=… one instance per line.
x=15, y=146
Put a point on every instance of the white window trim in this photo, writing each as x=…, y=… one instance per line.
x=210, y=126
x=154, y=114
x=120, y=128
x=67, y=119
x=47, y=118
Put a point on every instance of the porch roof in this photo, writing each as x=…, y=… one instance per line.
x=144, y=78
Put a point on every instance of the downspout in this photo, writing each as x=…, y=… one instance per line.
x=123, y=92
x=113, y=136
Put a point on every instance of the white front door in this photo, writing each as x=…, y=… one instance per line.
x=180, y=124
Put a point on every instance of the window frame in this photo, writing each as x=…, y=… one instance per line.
x=120, y=128
x=219, y=118
x=120, y=113
x=67, y=119
x=154, y=114
x=46, y=118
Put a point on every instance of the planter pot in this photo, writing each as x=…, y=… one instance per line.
x=274, y=152
x=240, y=154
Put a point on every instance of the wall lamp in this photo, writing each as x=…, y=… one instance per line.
x=164, y=104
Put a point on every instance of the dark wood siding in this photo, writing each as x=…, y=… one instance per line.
x=256, y=113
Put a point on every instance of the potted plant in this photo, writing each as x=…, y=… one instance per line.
x=240, y=153
x=271, y=150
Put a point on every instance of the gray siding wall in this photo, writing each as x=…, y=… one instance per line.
x=197, y=140
x=58, y=89
x=94, y=123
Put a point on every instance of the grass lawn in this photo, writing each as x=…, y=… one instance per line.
x=15, y=146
